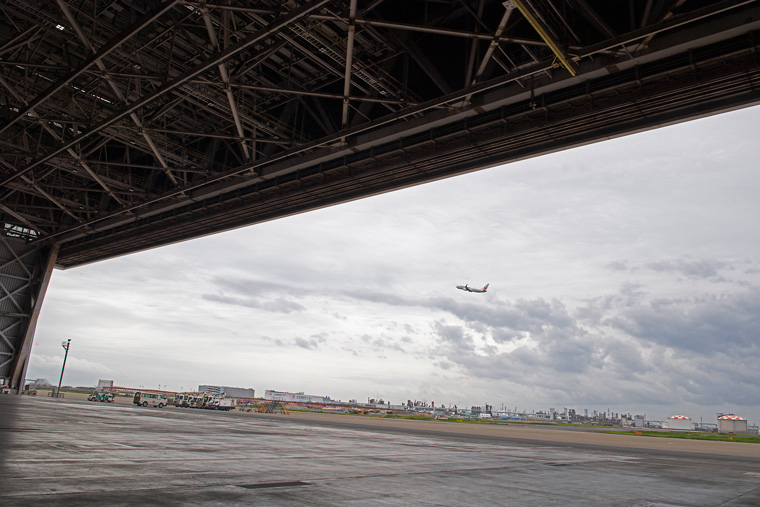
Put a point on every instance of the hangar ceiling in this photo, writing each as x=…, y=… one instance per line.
x=129, y=124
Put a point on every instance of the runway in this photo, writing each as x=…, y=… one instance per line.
x=588, y=438
x=70, y=452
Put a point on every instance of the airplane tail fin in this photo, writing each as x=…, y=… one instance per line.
x=486, y=287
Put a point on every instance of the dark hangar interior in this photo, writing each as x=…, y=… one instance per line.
x=126, y=125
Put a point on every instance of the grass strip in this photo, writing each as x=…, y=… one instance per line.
x=692, y=435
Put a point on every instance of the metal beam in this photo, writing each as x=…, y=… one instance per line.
x=424, y=62
x=392, y=25
x=71, y=151
x=18, y=217
x=44, y=264
x=265, y=33
x=336, y=96
x=13, y=43
x=349, y=62
x=474, y=45
x=509, y=7
x=598, y=22
x=122, y=214
x=96, y=57
x=224, y=73
x=545, y=34
x=99, y=62
x=663, y=26
x=431, y=136
x=216, y=136
x=325, y=141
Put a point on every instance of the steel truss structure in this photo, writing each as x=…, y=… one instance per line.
x=24, y=275
x=130, y=124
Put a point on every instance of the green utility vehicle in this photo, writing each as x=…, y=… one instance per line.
x=102, y=396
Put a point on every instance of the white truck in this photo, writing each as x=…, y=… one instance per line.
x=220, y=404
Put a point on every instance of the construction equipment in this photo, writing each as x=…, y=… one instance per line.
x=271, y=407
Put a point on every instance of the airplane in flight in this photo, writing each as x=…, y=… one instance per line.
x=468, y=289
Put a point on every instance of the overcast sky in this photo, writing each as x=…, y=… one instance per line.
x=625, y=275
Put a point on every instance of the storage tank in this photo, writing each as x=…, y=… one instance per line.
x=679, y=422
x=730, y=423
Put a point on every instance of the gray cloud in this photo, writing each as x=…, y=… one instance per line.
x=622, y=338
x=382, y=343
x=618, y=266
x=706, y=269
x=276, y=341
x=666, y=350
x=262, y=295
x=687, y=268
x=614, y=338
x=311, y=343
x=278, y=305
x=706, y=325
x=249, y=286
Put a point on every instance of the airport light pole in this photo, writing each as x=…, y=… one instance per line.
x=66, y=346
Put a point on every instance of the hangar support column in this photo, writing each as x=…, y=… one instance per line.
x=25, y=271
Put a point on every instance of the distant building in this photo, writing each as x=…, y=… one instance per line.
x=105, y=384
x=626, y=421
x=730, y=423
x=270, y=394
x=231, y=392
x=38, y=383
x=678, y=422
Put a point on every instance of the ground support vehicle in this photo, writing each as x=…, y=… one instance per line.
x=150, y=399
x=203, y=400
x=221, y=404
x=186, y=400
x=101, y=396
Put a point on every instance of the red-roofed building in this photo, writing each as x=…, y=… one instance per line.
x=678, y=422
x=730, y=423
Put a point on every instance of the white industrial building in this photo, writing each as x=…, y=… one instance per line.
x=270, y=394
x=678, y=422
x=730, y=423
x=230, y=392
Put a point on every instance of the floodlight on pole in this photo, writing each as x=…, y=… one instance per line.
x=65, y=344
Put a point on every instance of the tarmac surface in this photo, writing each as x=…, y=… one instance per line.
x=70, y=452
